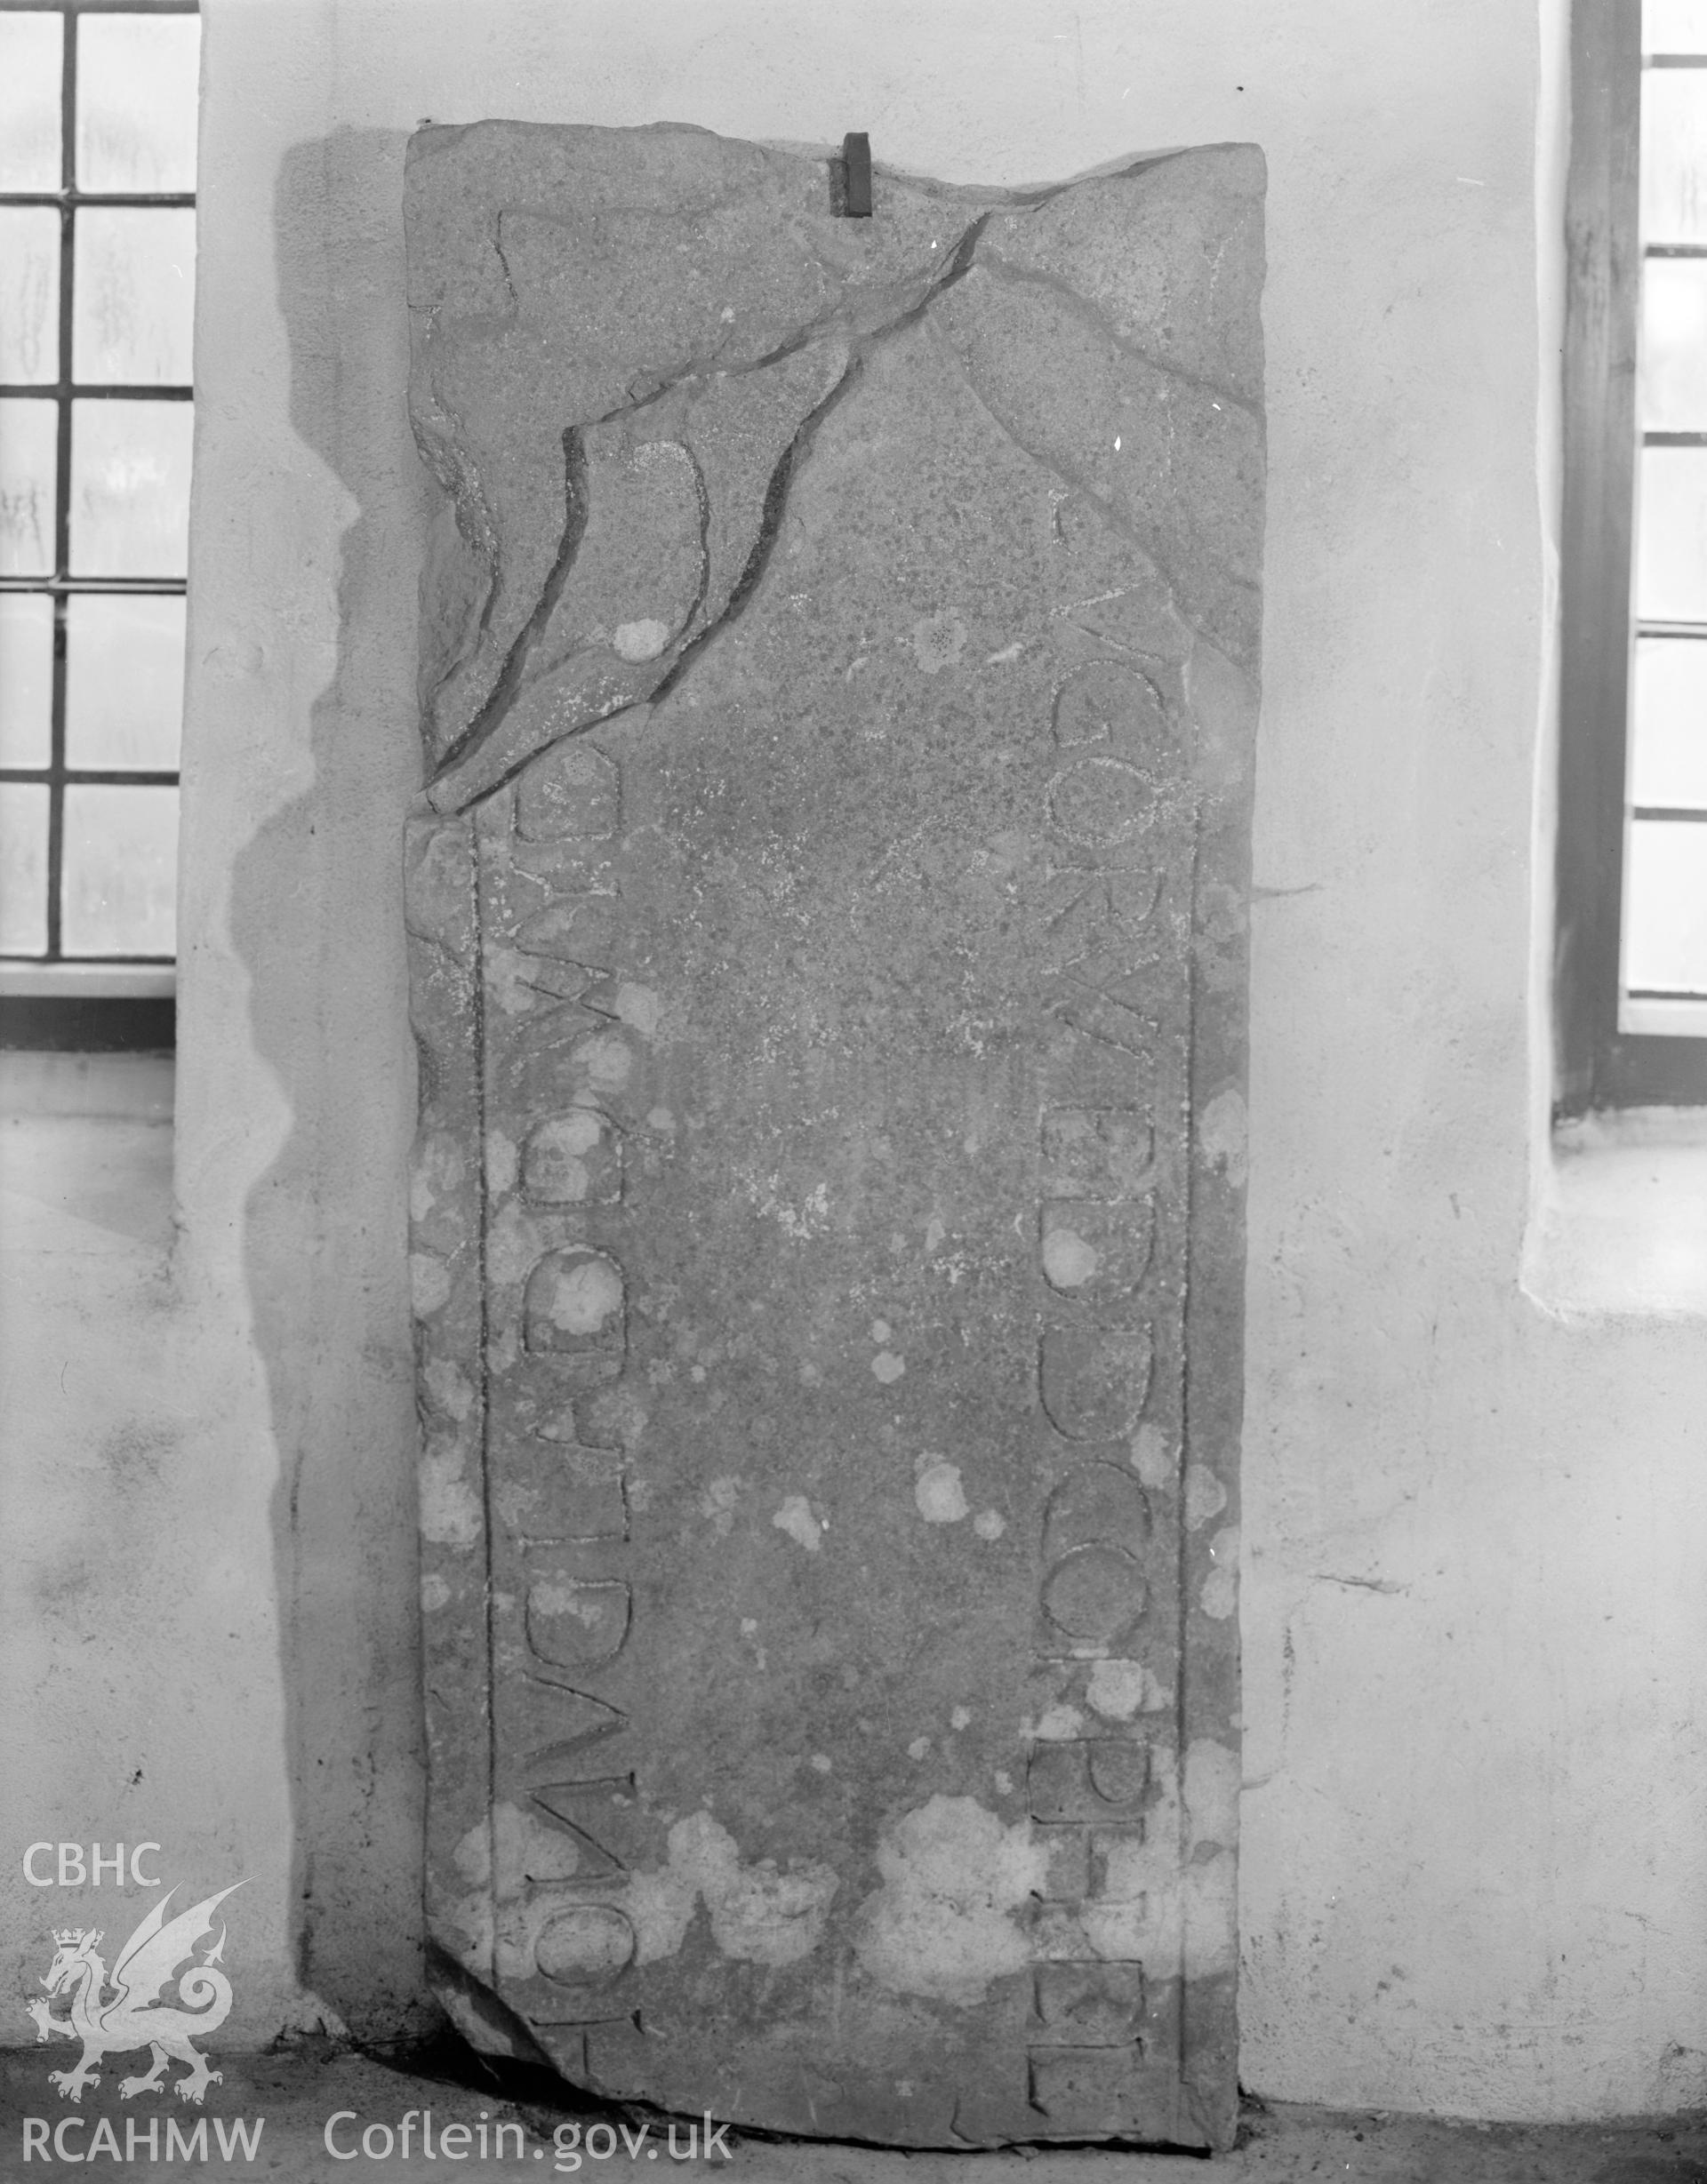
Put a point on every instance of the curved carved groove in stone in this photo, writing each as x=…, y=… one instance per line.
x=1093, y=1381
x=465, y=520
x=576, y=1305
x=1098, y=1503
x=1108, y=703
x=461, y=779
x=1095, y=1250
x=575, y=1622
x=1099, y=1153
x=588, y=1946
x=1094, y=1593
x=641, y=572
x=1096, y=1779
x=776, y=495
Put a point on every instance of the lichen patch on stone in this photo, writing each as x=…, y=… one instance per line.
x=1150, y=1455
x=450, y=1512
x=1221, y=1135
x=448, y=1386
x=430, y=1283
x=1117, y=1689
x=606, y=1062
x=1069, y=1261
x=1218, y=1595
x=585, y=1295
x=640, y=640
x=940, y=1497
x=795, y=1518
x=1204, y=1496
x=502, y=1163
x=718, y=1503
x=756, y=1912
x=639, y=1006
x=956, y=1886
x=937, y=641
x=1167, y=1892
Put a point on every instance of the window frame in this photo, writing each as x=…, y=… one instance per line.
x=54, y=1000
x=1596, y=1065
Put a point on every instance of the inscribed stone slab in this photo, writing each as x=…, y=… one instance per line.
x=827, y=909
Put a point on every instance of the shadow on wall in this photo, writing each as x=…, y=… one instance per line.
x=317, y=920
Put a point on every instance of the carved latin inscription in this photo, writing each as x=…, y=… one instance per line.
x=826, y=912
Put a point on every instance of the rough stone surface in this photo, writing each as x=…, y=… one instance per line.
x=829, y=910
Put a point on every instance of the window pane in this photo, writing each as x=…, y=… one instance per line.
x=1674, y=345
x=1668, y=744
x=25, y=680
x=134, y=296
x=29, y=455
x=1674, y=26
x=31, y=67
x=123, y=683
x=119, y=873
x=1674, y=154
x=1665, y=906
x=30, y=293
x=136, y=102
x=23, y=868
x=130, y=488
x=1671, y=536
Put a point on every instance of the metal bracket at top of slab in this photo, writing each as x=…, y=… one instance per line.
x=856, y=169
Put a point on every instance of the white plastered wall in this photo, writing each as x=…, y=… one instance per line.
x=1475, y=1872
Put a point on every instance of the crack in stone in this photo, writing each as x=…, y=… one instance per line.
x=776, y=492
x=1146, y=545
x=499, y=252
x=776, y=503
x=459, y=481
x=450, y=956
x=770, y=522
x=847, y=318
x=508, y=683
x=1116, y=519
x=702, y=493
x=1004, y=270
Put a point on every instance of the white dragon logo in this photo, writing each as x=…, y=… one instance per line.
x=132, y=2015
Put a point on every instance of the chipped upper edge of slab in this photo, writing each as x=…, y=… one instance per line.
x=473, y=751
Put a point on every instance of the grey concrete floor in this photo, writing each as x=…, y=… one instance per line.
x=295, y=2096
